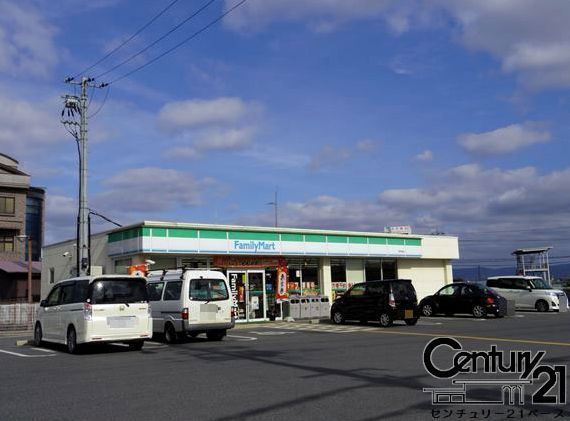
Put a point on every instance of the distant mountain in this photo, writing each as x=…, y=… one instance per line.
x=475, y=273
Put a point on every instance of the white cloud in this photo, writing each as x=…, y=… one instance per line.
x=190, y=114
x=366, y=145
x=329, y=157
x=26, y=41
x=530, y=38
x=29, y=127
x=505, y=139
x=222, y=124
x=150, y=190
x=425, y=156
x=462, y=200
x=225, y=139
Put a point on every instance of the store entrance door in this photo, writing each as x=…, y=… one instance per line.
x=248, y=294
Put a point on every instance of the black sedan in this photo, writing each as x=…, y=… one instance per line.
x=464, y=298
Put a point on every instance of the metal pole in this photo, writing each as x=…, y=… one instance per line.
x=29, y=269
x=275, y=208
x=83, y=246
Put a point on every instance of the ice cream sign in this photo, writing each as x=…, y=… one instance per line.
x=252, y=246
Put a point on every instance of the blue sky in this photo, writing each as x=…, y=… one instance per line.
x=445, y=115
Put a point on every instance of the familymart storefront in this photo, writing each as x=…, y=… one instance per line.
x=314, y=261
x=259, y=260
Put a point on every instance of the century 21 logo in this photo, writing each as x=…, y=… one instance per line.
x=528, y=366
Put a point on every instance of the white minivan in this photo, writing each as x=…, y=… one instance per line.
x=108, y=308
x=529, y=292
x=190, y=302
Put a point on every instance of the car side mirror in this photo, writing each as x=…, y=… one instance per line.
x=43, y=303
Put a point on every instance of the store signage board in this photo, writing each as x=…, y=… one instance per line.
x=149, y=240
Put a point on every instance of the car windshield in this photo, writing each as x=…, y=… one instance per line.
x=208, y=290
x=403, y=291
x=539, y=283
x=118, y=290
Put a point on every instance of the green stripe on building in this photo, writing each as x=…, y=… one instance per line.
x=292, y=237
x=213, y=235
x=257, y=236
x=312, y=238
x=337, y=239
x=381, y=241
x=182, y=233
x=396, y=241
x=357, y=240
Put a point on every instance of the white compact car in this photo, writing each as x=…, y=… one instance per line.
x=190, y=302
x=529, y=292
x=109, y=308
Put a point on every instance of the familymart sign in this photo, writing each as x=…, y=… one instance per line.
x=209, y=241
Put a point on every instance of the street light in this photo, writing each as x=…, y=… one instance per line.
x=25, y=237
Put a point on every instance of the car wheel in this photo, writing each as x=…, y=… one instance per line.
x=427, y=310
x=541, y=306
x=38, y=334
x=215, y=335
x=479, y=311
x=338, y=318
x=136, y=346
x=72, y=346
x=412, y=322
x=385, y=319
x=170, y=336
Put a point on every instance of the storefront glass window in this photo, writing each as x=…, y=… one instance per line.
x=373, y=270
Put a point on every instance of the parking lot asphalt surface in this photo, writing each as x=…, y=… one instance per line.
x=277, y=371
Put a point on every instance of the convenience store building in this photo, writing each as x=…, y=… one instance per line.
x=317, y=261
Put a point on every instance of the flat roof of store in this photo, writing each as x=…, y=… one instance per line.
x=163, y=224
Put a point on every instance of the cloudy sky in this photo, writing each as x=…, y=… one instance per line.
x=447, y=115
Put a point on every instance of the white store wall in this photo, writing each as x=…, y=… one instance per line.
x=427, y=275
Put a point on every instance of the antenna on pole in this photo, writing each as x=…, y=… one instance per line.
x=275, y=205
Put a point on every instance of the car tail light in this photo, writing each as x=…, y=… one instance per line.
x=392, y=301
x=490, y=300
x=185, y=313
x=87, y=311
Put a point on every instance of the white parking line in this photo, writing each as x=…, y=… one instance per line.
x=42, y=349
x=17, y=354
x=270, y=333
x=243, y=338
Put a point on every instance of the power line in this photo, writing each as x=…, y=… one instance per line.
x=152, y=44
x=102, y=103
x=137, y=32
x=191, y=37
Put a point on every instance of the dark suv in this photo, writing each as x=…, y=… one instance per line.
x=384, y=301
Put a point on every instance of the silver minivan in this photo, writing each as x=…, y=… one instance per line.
x=190, y=302
x=529, y=292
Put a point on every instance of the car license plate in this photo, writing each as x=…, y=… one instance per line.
x=408, y=314
x=121, y=322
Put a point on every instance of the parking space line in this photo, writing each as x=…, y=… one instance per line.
x=477, y=338
x=42, y=349
x=243, y=338
x=17, y=354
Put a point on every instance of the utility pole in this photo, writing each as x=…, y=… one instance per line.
x=80, y=105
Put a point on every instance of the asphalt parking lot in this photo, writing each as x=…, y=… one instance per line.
x=277, y=371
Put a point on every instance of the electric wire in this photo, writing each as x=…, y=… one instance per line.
x=191, y=37
x=156, y=41
x=121, y=45
x=102, y=103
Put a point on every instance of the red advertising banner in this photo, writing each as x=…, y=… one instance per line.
x=282, y=282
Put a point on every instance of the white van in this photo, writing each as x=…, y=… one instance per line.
x=108, y=308
x=529, y=292
x=190, y=302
